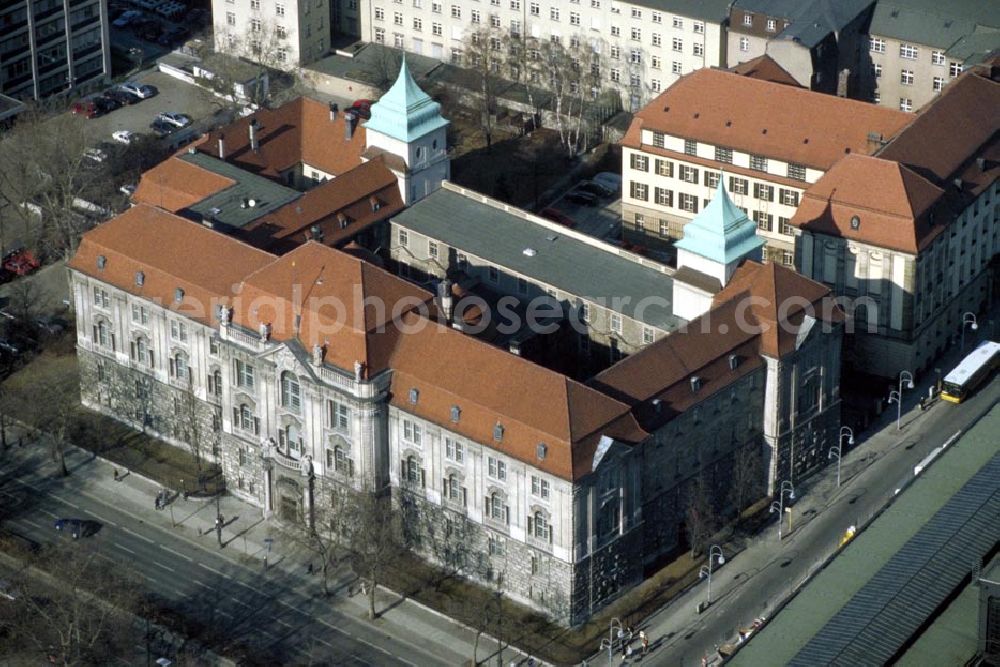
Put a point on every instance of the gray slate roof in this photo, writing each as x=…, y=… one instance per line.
x=973, y=49
x=714, y=11
x=266, y=194
x=560, y=260
x=932, y=22
x=811, y=20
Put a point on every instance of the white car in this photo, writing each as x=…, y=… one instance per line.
x=124, y=136
x=175, y=119
x=95, y=154
x=139, y=90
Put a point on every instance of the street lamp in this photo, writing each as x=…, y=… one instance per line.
x=837, y=450
x=896, y=396
x=779, y=504
x=968, y=320
x=714, y=556
x=268, y=541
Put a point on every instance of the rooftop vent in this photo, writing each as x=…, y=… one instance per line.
x=855, y=222
x=529, y=252
x=697, y=115
x=666, y=109
x=334, y=108
x=102, y=261
x=729, y=123
x=734, y=361
x=695, y=383
x=551, y=237
x=541, y=450
x=764, y=131
x=251, y=203
x=658, y=405
x=847, y=151
x=806, y=140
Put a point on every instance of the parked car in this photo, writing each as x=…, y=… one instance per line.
x=106, y=104
x=609, y=180
x=582, y=197
x=595, y=188
x=20, y=261
x=175, y=119
x=557, y=216
x=95, y=154
x=127, y=18
x=124, y=136
x=141, y=90
x=162, y=128
x=362, y=108
x=87, y=108
x=76, y=527
x=128, y=189
x=122, y=97
x=149, y=31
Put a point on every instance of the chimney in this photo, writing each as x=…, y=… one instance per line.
x=445, y=299
x=252, y=128
x=348, y=125
x=334, y=108
x=222, y=146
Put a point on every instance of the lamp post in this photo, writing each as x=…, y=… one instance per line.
x=968, y=320
x=779, y=504
x=268, y=541
x=714, y=556
x=896, y=396
x=608, y=644
x=838, y=449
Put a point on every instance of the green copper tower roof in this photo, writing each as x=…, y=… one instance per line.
x=405, y=112
x=722, y=232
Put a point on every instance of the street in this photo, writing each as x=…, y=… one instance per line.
x=755, y=581
x=274, y=613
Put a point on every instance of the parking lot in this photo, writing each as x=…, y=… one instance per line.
x=175, y=95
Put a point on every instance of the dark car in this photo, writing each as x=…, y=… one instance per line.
x=107, y=104
x=594, y=188
x=78, y=527
x=123, y=98
x=149, y=31
x=363, y=108
x=162, y=128
x=582, y=197
x=557, y=216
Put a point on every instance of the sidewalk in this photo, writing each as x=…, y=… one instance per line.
x=432, y=635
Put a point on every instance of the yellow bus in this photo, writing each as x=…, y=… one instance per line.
x=971, y=372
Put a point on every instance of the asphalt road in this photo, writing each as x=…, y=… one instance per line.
x=242, y=604
x=755, y=581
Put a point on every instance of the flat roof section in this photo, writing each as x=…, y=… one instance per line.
x=554, y=256
x=872, y=598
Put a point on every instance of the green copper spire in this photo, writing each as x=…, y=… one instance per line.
x=722, y=232
x=405, y=112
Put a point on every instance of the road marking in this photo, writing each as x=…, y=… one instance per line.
x=283, y=622
x=369, y=644
x=32, y=523
x=44, y=511
x=201, y=583
x=249, y=587
x=223, y=613
x=212, y=569
x=159, y=564
x=141, y=537
x=177, y=553
x=124, y=548
x=323, y=641
x=240, y=602
x=107, y=558
x=92, y=513
x=149, y=578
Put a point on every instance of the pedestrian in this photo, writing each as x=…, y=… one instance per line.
x=20, y=441
x=309, y=568
x=116, y=474
x=364, y=587
x=645, y=641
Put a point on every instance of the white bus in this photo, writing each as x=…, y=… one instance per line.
x=971, y=372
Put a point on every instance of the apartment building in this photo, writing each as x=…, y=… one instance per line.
x=917, y=47
x=818, y=42
x=644, y=46
x=911, y=232
x=53, y=46
x=283, y=34
x=770, y=141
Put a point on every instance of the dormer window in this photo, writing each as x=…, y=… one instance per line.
x=178, y=295
x=498, y=432
x=734, y=361
x=375, y=203
x=140, y=278
x=101, y=261
x=456, y=413
x=414, y=395
x=695, y=384
x=541, y=450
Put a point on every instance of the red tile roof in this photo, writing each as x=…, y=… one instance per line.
x=171, y=252
x=347, y=198
x=764, y=118
x=299, y=131
x=893, y=204
x=766, y=68
x=175, y=184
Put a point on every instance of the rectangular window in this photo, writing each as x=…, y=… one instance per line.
x=639, y=191
x=758, y=163
x=908, y=51
x=658, y=140
x=772, y=25
x=906, y=77
x=432, y=249
x=744, y=44
x=789, y=197
x=905, y=104
x=244, y=374
x=711, y=179
x=411, y=432
x=676, y=67
x=456, y=12
x=663, y=196
x=748, y=19
x=338, y=415
x=937, y=58
x=785, y=227
x=690, y=147
x=639, y=162
x=938, y=84
x=723, y=154
x=665, y=168
x=616, y=323
x=655, y=62
x=688, y=202
x=454, y=450
x=678, y=44
x=574, y=18
x=698, y=49
x=657, y=39
x=877, y=70
x=403, y=237
x=689, y=174
x=796, y=171
x=954, y=69
x=738, y=186
x=279, y=10
x=765, y=192
x=765, y=221
x=648, y=335
x=497, y=468
x=418, y=24
x=178, y=331
x=230, y=18
x=876, y=45
x=539, y=487
x=787, y=257
x=554, y=13
x=664, y=228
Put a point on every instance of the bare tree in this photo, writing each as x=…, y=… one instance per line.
x=381, y=67
x=81, y=616
x=326, y=542
x=487, y=56
x=372, y=529
x=747, y=477
x=244, y=61
x=45, y=401
x=701, y=512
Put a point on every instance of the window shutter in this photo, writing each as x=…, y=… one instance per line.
x=96, y=339
x=173, y=366
x=236, y=417
x=506, y=514
x=114, y=347
x=550, y=533
x=423, y=478
x=488, y=508
x=402, y=470
x=464, y=501
x=131, y=353
x=256, y=425
x=531, y=526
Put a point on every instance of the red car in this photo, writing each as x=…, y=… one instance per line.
x=363, y=108
x=86, y=108
x=20, y=262
x=557, y=216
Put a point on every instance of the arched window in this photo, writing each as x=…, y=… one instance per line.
x=244, y=419
x=290, y=391
x=453, y=488
x=497, y=509
x=215, y=382
x=412, y=469
x=102, y=333
x=179, y=366
x=538, y=526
